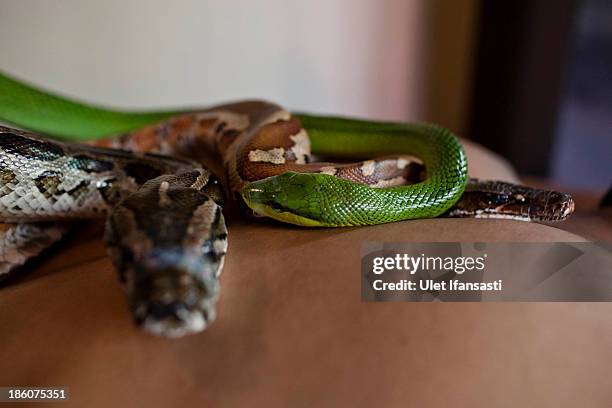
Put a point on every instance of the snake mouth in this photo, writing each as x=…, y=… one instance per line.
x=173, y=320
x=265, y=203
x=172, y=303
x=562, y=208
x=546, y=206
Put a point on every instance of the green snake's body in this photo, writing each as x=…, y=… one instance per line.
x=347, y=203
x=299, y=198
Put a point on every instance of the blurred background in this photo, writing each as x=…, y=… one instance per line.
x=531, y=80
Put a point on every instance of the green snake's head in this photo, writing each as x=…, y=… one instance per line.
x=286, y=198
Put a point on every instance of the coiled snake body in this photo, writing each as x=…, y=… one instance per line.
x=165, y=230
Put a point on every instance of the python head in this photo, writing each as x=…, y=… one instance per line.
x=168, y=242
x=497, y=199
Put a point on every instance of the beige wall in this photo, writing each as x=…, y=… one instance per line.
x=390, y=59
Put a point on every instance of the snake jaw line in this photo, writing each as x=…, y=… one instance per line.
x=264, y=202
x=262, y=210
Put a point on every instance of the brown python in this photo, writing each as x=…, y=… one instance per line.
x=258, y=139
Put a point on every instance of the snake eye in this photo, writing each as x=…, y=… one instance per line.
x=497, y=199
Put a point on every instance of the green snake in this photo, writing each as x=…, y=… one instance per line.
x=165, y=229
x=303, y=199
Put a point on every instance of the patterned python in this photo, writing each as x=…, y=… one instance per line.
x=165, y=231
